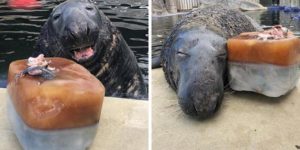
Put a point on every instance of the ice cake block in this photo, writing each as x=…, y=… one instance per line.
x=264, y=62
x=61, y=112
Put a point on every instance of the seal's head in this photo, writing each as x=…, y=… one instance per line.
x=198, y=58
x=76, y=24
x=76, y=30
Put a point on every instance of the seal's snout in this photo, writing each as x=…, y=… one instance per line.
x=80, y=39
x=77, y=29
x=200, y=98
x=201, y=105
x=77, y=35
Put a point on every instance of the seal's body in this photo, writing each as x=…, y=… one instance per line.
x=194, y=57
x=77, y=30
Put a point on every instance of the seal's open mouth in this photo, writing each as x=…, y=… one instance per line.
x=81, y=54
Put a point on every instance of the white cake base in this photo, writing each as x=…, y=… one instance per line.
x=267, y=79
x=63, y=139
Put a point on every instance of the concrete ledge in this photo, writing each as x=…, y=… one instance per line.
x=245, y=121
x=123, y=125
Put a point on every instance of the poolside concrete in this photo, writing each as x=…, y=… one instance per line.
x=123, y=126
x=245, y=121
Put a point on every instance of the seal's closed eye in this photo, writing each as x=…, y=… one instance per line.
x=56, y=16
x=182, y=53
x=89, y=8
x=221, y=55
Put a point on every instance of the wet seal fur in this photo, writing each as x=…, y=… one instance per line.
x=194, y=57
x=76, y=25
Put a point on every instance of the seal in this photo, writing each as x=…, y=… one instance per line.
x=77, y=30
x=194, y=57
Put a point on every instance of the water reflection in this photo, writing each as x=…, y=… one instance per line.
x=161, y=27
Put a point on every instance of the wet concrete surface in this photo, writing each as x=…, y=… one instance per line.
x=245, y=121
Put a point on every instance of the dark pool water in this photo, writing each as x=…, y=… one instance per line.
x=163, y=25
x=19, y=29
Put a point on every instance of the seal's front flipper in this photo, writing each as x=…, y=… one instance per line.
x=156, y=62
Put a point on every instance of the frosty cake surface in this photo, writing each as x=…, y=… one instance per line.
x=73, y=98
x=278, y=52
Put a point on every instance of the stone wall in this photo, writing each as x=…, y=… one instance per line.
x=183, y=5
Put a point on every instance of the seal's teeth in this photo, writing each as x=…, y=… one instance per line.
x=77, y=55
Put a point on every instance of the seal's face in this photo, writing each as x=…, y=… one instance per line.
x=76, y=24
x=200, y=60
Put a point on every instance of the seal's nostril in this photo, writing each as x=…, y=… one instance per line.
x=88, y=31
